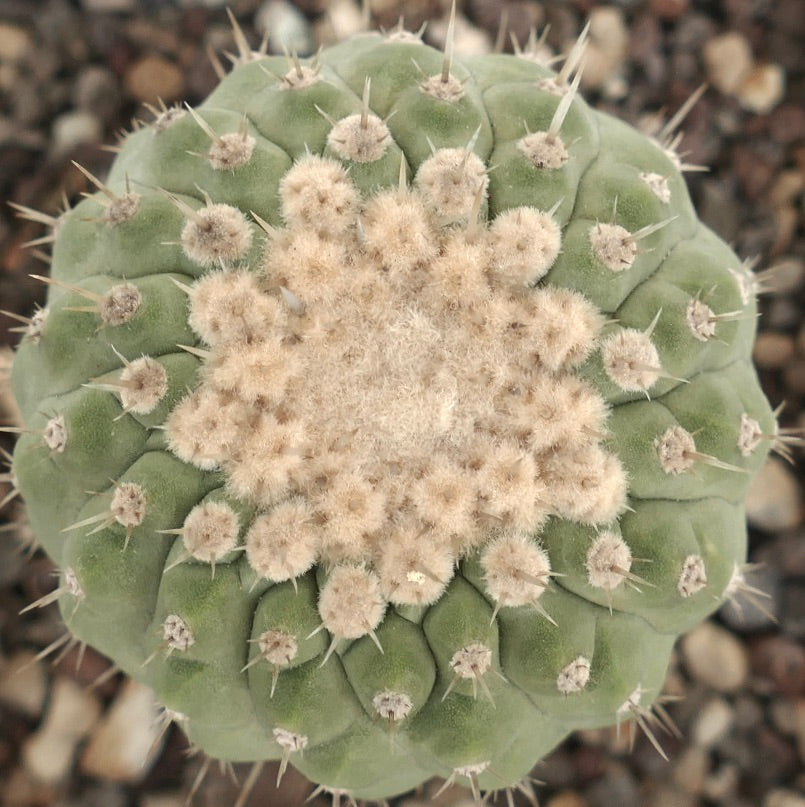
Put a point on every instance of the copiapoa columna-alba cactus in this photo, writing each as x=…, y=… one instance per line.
x=391, y=415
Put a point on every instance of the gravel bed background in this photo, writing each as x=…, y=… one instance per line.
x=73, y=73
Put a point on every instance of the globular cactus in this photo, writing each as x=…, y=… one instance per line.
x=391, y=415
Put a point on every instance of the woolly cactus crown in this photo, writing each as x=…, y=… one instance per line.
x=427, y=405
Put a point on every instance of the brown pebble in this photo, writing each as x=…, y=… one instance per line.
x=787, y=273
x=795, y=376
x=152, y=78
x=669, y=9
x=783, y=554
x=798, y=723
x=721, y=784
x=778, y=664
x=14, y=42
x=773, y=350
x=787, y=187
x=567, y=798
x=787, y=123
x=786, y=220
x=783, y=313
x=88, y=668
x=779, y=756
x=754, y=170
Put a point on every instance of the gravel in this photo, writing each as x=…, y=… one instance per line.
x=73, y=73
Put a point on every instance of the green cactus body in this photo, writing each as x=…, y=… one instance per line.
x=405, y=450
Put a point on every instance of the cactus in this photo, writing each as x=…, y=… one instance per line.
x=391, y=415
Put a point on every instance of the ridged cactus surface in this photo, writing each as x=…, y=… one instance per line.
x=391, y=416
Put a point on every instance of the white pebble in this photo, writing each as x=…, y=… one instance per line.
x=48, y=753
x=783, y=798
x=287, y=27
x=73, y=129
x=774, y=500
x=728, y=59
x=762, y=88
x=712, y=723
x=23, y=684
x=609, y=39
x=715, y=657
x=124, y=740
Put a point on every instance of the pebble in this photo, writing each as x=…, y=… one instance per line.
x=715, y=657
x=153, y=77
x=12, y=559
x=607, y=46
x=344, y=19
x=48, y=753
x=567, y=798
x=72, y=129
x=29, y=105
x=773, y=350
x=778, y=666
x=794, y=375
x=774, y=501
x=712, y=723
x=467, y=39
x=792, y=607
x=287, y=27
x=108, y=5
x=558, y=770
x=786, y=220
x=14, y=42
x=20, y=790
x=787, y=187
x=646, y=50
x=762, y=88
x=616, y=786
x=148, y=35
x=719, y=209
x=692, y=31
x=163, y=800
x=748, y=713
x=523, y=16
x=755, y=168
x=124, y=741
x=98, y=794
x=786, y=123
x=23, y=684
x=799, y=726
x=691, y=768
x=669, y=9
x=728, y=59
x=96, y=90
x=784, y=313
x=788, y=274
x=786, y=714
x=786, y=554
x=784, y=798
x=660, y=794
x=720, y=785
